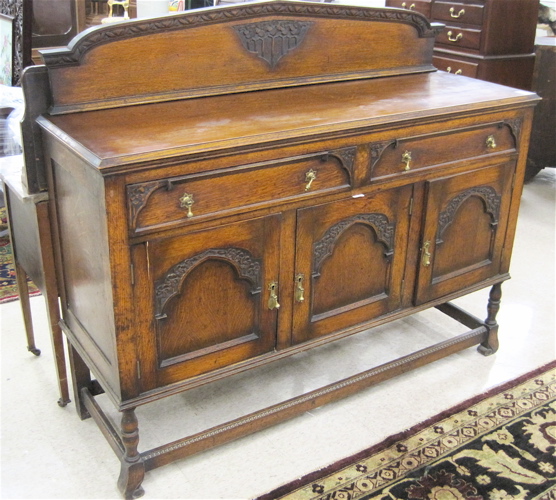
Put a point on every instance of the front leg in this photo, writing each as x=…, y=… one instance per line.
x=490, y=345
x=132, y=469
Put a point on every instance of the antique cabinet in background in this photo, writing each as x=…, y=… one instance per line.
x=491, y=40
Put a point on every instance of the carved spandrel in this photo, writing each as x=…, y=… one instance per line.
x=377, y=148
x=346, y=157
x=169, y=285
x=272, y=40
x=324, y=247
x=515, y=125
x=138, y=195
x=490, y=199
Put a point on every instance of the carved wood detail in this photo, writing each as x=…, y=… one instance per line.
x=490, y=198
x=73, y=54
x=515, y=128
x=169, y=285
x=272, y=40
x=323, y=248
x=138, y=195
x=346, y=157
x=377, y=148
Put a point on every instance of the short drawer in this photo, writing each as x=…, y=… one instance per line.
x=458, y=12
x=454, y=37
x=423, y=7
x=456, y=66
x=177, y=200
x=405, y=155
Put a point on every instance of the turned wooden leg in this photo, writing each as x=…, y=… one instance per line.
x=490, y=346
x=23, y=291
x=81, y=377
x=132, y=469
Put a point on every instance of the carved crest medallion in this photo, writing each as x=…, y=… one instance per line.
x=272, y=40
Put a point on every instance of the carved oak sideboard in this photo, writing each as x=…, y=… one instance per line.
x=234, y=185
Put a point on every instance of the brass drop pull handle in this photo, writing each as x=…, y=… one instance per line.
x=459, y=14
x=426, y=258
x=299, y=290
x=310, y=176
x=406, y=158
x=273, y=299
x=491, y=142
x=186, y=201
x=411, y=7
x=458, y=72
x=457, y=38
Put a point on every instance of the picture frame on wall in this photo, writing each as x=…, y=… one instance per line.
x=7, y=35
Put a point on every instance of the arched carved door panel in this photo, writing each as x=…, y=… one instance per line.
x=349, y=262
x=210, y=296
x=463, y=235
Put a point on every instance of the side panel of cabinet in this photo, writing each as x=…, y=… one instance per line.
x=350, y=259
x=209, y=294
x=464, y=229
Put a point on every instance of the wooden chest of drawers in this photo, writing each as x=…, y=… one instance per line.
x=279, y=188
x=491, y=40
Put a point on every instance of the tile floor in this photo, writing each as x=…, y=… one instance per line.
x=48, y=453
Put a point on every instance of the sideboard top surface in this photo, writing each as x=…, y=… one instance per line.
x=117, y=137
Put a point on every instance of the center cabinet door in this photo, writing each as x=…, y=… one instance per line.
x=350, y=260
x=209, y=294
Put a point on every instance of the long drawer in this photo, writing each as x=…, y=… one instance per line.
x=404, y=155
x=458, y=12
x=456, y=66
x=458, y=37
x=180, y=200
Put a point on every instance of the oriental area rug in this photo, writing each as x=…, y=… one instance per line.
x=8, y=286
x=500, y=445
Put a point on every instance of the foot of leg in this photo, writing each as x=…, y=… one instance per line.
x=132, y=469
x=490, y=345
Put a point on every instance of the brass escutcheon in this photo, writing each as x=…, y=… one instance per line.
x=299, y=290
x=186, y=201
x=310, y=176
x=490, y=142
x=273, y=299
x=459, y=14
x=458, y=37
x=406, y=158
x=426, y=259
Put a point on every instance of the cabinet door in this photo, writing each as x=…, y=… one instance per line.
x=464, y=229
x=210, y=299
x=350, y=258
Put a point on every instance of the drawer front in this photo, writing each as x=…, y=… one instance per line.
x=178, y=200
x=420, y=6
x=454, y=37
x=404, y=155
x=458, y=12
x=455, y=66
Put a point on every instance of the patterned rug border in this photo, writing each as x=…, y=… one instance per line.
x=13, y=298
x=390, y=440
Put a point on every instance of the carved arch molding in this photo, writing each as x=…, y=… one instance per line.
x=22, y=12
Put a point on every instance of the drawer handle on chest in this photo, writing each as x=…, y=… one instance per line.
x=458, y=72
x=310, y=176
x=299, y=290
x=490, y=142
x=186, y=201
x=411, y=7
x=458, y=37
x=273, y=299
x=406, y=158
x=426, y=259
x=459, y=14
